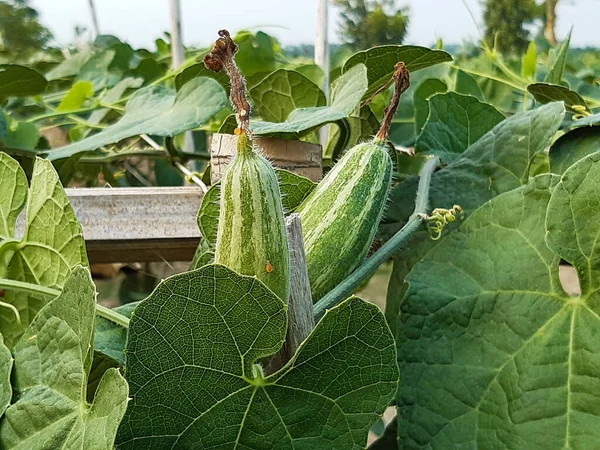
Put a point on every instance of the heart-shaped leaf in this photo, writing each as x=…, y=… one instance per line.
x=159, y=111
x=52, y=363
x=204, y=331
x=51, y=246
x=380, y=62
x=493, y=352
x=284, y=91
x=455, y=123
x=346, y=93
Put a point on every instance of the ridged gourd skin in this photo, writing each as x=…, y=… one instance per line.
x=340, y=217
x=251, y=238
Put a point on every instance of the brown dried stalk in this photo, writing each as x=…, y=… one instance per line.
x=222, y=57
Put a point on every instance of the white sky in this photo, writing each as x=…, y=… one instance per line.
x=140, y=22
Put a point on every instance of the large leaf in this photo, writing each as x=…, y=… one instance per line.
x=284, y=91
x=573, y=146
x=159, y=111
x=20, y=81
x=455, y=123
x=498, y=162
x=6, y=363
x=294, y=189
x=52, y=363
x=200, y=70
x=380, y=62
x=546, y=93
x=204, y=331
x=346, y=93
x=51, y=246
x=493, y=352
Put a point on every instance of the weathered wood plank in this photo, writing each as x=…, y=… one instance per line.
x=136, y=224
x=303, y=158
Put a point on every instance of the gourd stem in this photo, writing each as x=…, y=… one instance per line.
x=44, y=291
x=401, y=80
x=222, y=57
x=345, y=288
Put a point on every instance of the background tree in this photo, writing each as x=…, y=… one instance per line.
x=21, y=33
x=365, y=24
x=507, y=20
x=550, y=21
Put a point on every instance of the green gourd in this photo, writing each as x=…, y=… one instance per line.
x=251, y=238
x=340, y=217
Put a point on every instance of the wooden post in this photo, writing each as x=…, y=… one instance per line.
x=299, y=157
x=301, y=319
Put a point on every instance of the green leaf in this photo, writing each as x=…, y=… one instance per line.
x=51, y=246
x=69, y=67
x=204, y=255
x=529, y=63
x=493, y=353
x=200, y=70
x=284, y=91
x=159, y=111
x=455, y=123
x=380, y=62
x=340, y=380
x=546, y=93
x=52, y=363
x=111, y=338
x=426, y=89
x=97, y=70
x=294, y=189
x=498, y=162
x=573, y=146
x=346, y=93
x=77, y=95
x=20, y=81
x=6, y=363
x=558, y=61
x=113, y=95
x=467, y=85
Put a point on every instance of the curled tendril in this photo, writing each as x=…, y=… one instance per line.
x=13, y=309
x=581, y=111
x=439, y=218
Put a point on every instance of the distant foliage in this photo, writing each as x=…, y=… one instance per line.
x=366, y=24
x=505, y=23
x=21, y=33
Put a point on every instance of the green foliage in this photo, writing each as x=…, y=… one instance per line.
x=516, y=349
x=52, y=364
x=505, y=22
x=299, y=405
x=547, y=93
x=573, y=146
x=368, y=23
x=21, y=34
x=455, y=123
x=496, y=163
x=6, y=363
x=51, y=246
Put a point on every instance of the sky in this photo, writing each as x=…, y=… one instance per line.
x=140, y=22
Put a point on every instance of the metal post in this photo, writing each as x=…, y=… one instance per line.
x=178, y=55
x=96, y=30
x=322, y=55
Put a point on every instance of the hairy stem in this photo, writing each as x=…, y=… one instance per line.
x=30, y=288
x=401, y=80
x=222, y=57
x=345, y=288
